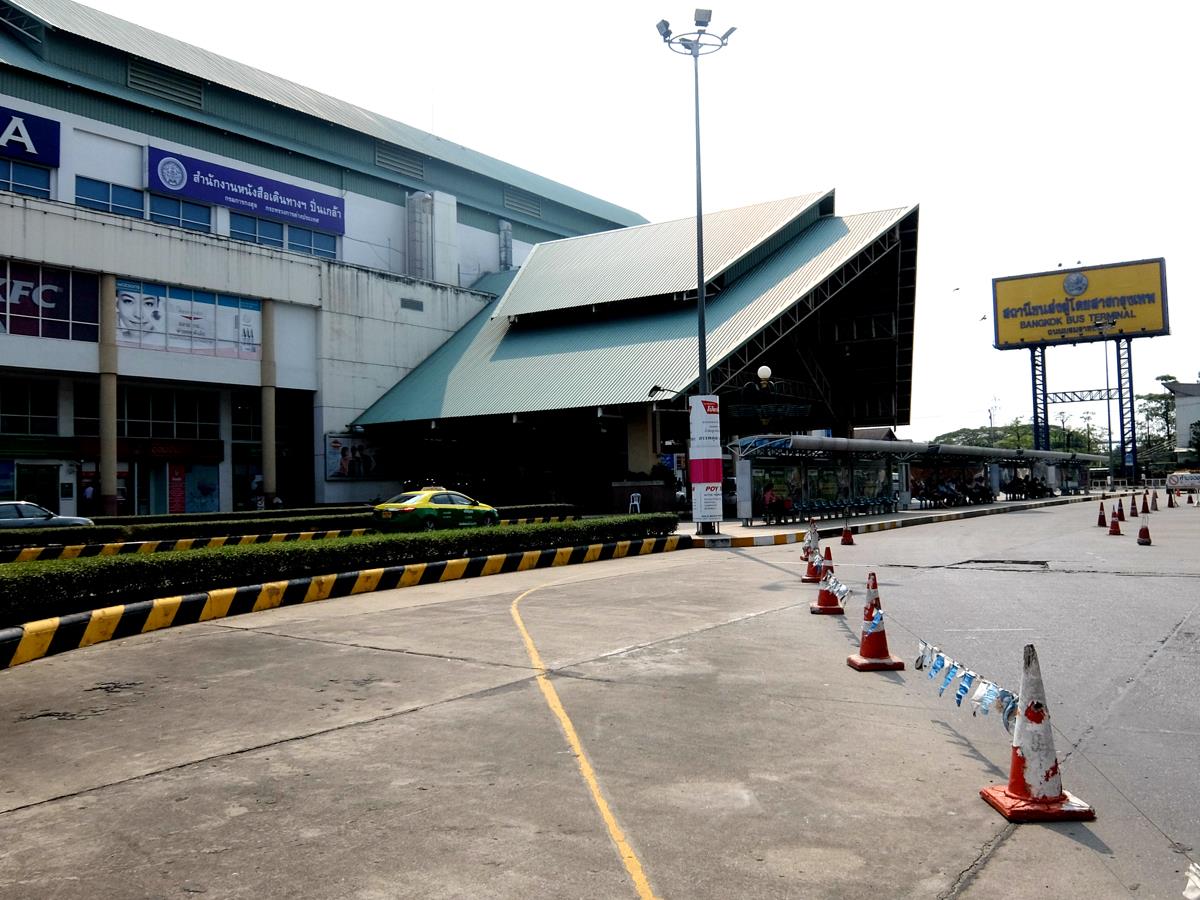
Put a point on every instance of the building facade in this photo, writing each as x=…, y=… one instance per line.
x=207, y=273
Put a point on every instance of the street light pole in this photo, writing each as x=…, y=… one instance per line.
x=695, y=44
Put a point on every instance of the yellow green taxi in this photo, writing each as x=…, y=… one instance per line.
x=431, y=508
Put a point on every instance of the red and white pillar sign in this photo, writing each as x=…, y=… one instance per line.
x=704, y=458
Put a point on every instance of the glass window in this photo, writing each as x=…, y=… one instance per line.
x=314, y=243
x=256, y=231
x=180, y=213
x=23, y=178
x=29, y=407
x=113, y=198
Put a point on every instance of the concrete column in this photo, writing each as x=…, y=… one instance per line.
x=108, y=394
x=268, y=378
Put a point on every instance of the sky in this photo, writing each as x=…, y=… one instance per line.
x=1031, y=134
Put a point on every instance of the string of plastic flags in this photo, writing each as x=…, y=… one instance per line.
x=987, y=697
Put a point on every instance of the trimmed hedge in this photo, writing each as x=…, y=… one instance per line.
x=271, y=513
x=38, y=590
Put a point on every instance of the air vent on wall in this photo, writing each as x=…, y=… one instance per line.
x=399, y=160
x=519, y=201
x=166, y=83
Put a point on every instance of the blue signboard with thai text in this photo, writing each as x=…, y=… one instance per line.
x=256, y=195
x=28, y=138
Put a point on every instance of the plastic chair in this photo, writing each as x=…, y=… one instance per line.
x=635, y=503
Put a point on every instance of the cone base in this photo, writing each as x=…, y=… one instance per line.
x=1143, y=542
x=862, y=664
x=818, y=610
x=1022, y=809
x=847, y=540
x=809, y=579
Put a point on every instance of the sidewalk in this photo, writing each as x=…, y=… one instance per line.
x=732, y=533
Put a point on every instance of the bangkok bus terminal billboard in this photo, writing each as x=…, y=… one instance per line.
x=1070, y=306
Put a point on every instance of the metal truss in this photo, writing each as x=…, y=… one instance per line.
x=1041, y=412
x=1125, y=405
x=1088, y=396
x=735, y=366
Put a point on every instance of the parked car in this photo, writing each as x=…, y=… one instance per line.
x=431, y=508
x=22, y=514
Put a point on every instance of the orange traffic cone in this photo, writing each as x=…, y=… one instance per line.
x=827, y=602
x=847, y=535
x=815, y=571
x=1034, y=792
x=1102, y=522
x=1115, y=527
x=1121, y=509
x=828, y=564
x=1145, y=503
x=1154, y=501
x=1144, y=532
x=873, y=655
x=1170, y=499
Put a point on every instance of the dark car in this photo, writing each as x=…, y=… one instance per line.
x=22, y=514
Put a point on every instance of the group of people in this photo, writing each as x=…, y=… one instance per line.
x=951, y=492
x=1026, y=489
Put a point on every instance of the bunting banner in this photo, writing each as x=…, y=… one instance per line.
x=985, y=696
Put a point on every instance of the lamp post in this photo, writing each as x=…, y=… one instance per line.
x=1102, y=326
x=696, y=44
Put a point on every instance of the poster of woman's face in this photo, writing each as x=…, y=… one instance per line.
x=140, y=318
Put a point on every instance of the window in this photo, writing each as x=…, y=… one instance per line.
x=111, y=198
x=29, y=407
x=22, y=178
x=314, y=243
x=180, y=213
x=256, y=231
x=38, y=301
x=247, y=416
x=144, y=411
x=271, y=234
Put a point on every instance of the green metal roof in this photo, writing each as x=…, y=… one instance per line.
x=110, y=31
x=654, y=259
x=494, y=366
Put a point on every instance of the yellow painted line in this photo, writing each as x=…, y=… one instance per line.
x=411, y=575
x=162, y=613
x=622, y=549
x=71, y=552
x=102, y=625
x=111, y=549
x=319, y=587
x=270, y=596
x=276, y=538
x=529, y=559
x=29, y=554
x=454, y=569
x=648, y=545
x=184, y=543
x=246, y=539
x=367, y=581
x=632, y=865
x=217, y=604
x=562, y=556
x=217, y=541
x=494, y=564
x=35, y=641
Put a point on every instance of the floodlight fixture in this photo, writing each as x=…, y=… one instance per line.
x=664, y=29
x=703, y=17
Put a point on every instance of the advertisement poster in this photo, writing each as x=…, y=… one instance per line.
x=349, y=457
x=176, y=488
x=159, y=317
x=704, y=460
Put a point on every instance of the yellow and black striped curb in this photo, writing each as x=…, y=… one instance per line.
x=80, y=551
x=46, y=637
x=536, y=520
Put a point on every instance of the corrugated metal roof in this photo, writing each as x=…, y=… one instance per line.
x=94, y=25
x=654, y=259
x=493, y=367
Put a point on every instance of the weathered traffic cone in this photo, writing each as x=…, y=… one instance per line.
x=873, y=655
x=847, y=535
x=1144, y=532
x=828, y=565
x=1034, y=792
x=1154, y=501
x=1121, y=508
x=827, y=602
x=1102, y=522
x=1146, y=503
x=1170, y=499
x=1115, y=527
x=814, y=573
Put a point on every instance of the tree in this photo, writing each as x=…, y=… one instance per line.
x=1158, y=411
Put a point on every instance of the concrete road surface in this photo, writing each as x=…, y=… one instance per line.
x=675, y=726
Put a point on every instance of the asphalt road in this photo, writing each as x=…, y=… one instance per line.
x=426, y=742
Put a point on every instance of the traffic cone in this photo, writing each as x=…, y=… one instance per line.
x=1121, y=508
x=1189, y=499
x=1170, y=499
x=1154, y=501
x=873, y=655
x=827, y=602
x=1115, y=527
x=1144, y=532
x=1145, y=503
x=815, y=571
x=1102, y=522
x=1034, y=792
x=828, y=565
x=847, y=535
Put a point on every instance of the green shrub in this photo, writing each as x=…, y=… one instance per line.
x=273, y=513
x=37, y=590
